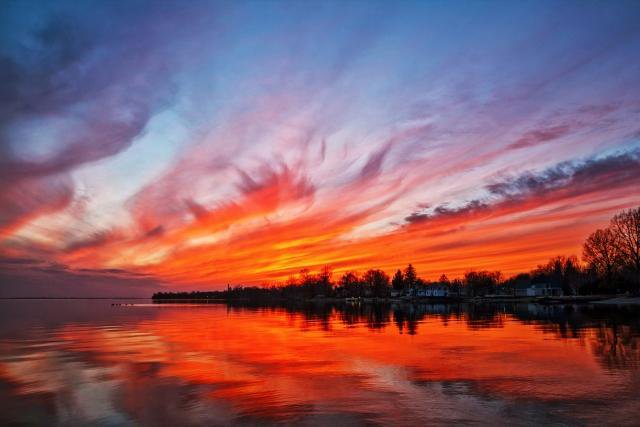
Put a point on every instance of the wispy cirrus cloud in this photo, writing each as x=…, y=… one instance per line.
x=538, y=136
x=77, y=93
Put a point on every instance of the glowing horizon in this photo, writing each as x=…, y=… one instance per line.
x=199, y=144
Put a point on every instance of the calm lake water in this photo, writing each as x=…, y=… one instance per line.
x=78, y=362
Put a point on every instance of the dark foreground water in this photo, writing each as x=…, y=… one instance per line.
x=89, y=363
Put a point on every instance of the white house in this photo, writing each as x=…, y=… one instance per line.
x=433, y=291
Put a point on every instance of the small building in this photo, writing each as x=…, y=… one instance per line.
x=432, y=291
x=539, y=290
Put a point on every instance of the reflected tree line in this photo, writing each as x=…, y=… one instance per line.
x=615, y=338
x=611, y=264
x=612, y=332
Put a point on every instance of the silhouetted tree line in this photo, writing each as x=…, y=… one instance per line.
x=612, y=254
x=611, y=261
x=611, y=264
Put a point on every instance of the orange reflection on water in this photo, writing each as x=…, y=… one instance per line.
x=274, y=364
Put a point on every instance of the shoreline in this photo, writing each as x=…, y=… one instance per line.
x=581, y=299
x=620, y=301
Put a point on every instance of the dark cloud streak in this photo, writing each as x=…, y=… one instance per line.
x=564, y=180
x=26, y=277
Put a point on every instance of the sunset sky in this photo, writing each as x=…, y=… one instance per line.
x=194, y=144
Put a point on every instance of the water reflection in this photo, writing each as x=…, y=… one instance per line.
x=80, y=362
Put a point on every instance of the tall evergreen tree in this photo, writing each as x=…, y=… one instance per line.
x=410, y=276
x=398, y=281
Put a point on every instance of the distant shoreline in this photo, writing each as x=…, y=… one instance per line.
x=75, y=298
x=583, y=299
x=587, y=299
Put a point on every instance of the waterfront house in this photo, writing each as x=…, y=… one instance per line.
x=539, y=290
x=437, y=291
